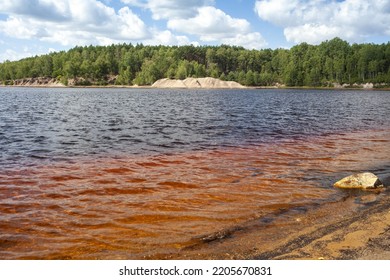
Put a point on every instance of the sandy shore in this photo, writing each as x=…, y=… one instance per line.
x=364, y=234
x=357, y=227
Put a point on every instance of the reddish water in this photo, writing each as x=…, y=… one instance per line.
x=130, y=207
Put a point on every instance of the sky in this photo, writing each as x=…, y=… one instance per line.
x=33, y=27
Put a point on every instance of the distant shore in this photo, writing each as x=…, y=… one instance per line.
x=189, y=83
x=150, y=87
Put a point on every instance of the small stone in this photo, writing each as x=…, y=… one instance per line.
x=364, y=180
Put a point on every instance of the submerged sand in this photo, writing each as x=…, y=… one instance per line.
x=362, y=234
x=356, y=227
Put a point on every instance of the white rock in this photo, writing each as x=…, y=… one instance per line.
x=364, y=180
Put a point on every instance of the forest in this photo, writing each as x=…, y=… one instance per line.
x=332, y=61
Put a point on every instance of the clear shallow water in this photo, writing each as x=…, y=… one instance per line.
x=125, y=173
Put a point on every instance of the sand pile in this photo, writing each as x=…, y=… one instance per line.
x=196, y=83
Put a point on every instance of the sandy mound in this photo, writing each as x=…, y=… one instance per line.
x=196, y=83
x=168, y=83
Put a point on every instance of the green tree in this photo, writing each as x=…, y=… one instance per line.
x=148, y=75
x=302, y=65
x=249, y=78
x=181, y=72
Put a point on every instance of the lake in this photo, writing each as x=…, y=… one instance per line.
x=95, y=173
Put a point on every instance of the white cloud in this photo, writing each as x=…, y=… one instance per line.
x=22, y=28
x=213, y=25
x=12, y=55
x=319, y=20
x=42, y=9
x=137, y=3
x=74, y=22
x=312, y=33
x=252, y=40
x=210, y=24
x=166, y=37
x=82, y=22
x=170, y=9
x=277, y=11
x=199, y=18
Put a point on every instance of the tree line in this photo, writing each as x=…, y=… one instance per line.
x=333, y=61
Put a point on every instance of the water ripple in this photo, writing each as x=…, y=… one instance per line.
x=118, y=173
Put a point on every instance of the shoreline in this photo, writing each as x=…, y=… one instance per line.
x=360, y=235
x=358, y=230
x=183, y=88
x=188, y=83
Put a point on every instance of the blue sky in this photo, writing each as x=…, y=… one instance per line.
x=30, y=27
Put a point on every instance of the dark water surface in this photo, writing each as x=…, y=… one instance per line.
x=129, y=173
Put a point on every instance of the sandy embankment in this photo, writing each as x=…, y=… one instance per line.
x=190, y=83
x=38, y=82
x=208, y=83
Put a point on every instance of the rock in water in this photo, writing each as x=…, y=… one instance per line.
x=364, y=180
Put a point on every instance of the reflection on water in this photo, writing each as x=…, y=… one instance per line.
x=89, y=176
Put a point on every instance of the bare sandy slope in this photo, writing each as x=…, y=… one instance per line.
x=38, y=82
x=196, y=83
